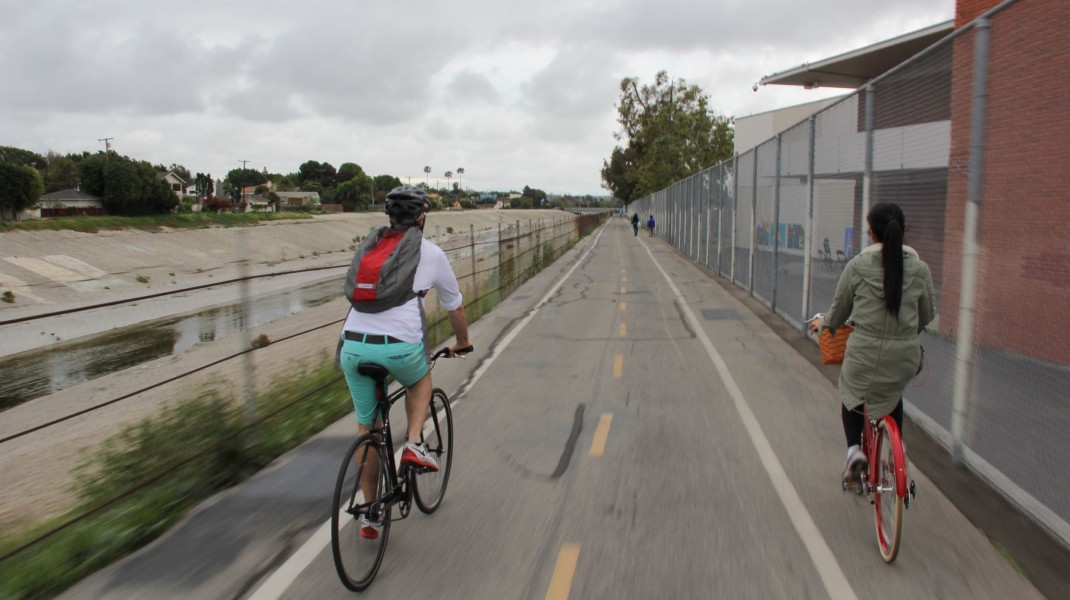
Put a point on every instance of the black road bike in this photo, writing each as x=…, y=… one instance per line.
x=357, y=558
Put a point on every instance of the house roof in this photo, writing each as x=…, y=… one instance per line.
x=853, y=69
x=68, y=195
x=164, y=174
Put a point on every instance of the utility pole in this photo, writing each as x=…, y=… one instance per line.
x=107, y=146
x=243, y=163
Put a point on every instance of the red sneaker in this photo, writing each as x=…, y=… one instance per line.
x=418, y=455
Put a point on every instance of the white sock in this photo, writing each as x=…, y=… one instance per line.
x=852, y=449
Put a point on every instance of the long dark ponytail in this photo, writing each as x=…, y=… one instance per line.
x=887, y=222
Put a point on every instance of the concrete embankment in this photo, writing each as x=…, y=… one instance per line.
x=54, y=268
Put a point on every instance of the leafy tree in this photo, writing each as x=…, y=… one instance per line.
x=18, y=156
x=347, y=171
x=159, y=198
x=669, y=132
x=91, y=173
x=203, y=184
x=524, y=202
x=20, y=187
x=460, y=177
x=242, y=178
x=61, y=173
x=313, y=171
x=385, y=183
x=538, y=197
x=427, y=176
x=124, y=188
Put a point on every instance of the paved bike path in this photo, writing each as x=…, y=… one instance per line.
x=669, y=496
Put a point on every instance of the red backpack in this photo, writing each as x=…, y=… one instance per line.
x=383, y=269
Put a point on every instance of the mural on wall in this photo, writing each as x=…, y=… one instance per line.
x=792, y=236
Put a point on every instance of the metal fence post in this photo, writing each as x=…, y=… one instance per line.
x=753, y=222
x=968, y=286
x=867, y=172
x=735, y=205
x=808, y=239
x=776, y=221
x=472, y=249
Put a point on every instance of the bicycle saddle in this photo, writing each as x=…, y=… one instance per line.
x=373, y=370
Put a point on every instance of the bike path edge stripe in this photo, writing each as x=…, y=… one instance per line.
x=828, y=567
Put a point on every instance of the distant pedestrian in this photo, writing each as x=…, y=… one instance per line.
x=650, y=225
x=635, y=223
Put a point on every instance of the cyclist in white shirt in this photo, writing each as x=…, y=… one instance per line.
x=394, y=338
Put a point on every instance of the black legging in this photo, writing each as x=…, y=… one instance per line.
x=855, y=420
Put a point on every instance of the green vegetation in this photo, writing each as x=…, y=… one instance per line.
x=8, y=297
x=210, y=428
x=669, y=132
x=151, y=222
x=141, y=279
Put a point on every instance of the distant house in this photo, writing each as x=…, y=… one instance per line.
x=177, y=184
x=258, y=203
x=69, y=202
x=291, y=199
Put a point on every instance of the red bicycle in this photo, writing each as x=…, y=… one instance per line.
x=883, y=479
x=884, y=482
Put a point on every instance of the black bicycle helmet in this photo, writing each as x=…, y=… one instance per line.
x=405, y=204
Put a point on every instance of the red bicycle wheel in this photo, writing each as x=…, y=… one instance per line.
x=888, y=498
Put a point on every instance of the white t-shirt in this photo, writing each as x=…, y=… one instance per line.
x=403, y=322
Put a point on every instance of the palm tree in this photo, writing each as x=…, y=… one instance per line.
x=448, y=175
x=427, y=177
x=460, y=177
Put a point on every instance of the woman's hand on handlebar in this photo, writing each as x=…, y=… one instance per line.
x=814, y=324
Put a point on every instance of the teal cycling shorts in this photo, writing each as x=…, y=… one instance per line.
x=406, y=362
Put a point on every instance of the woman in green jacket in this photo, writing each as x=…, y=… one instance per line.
x=887, y=293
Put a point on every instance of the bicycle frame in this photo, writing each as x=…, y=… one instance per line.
x=869, y=449
x=398, y=492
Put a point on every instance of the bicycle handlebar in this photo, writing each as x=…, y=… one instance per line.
x=445, y=352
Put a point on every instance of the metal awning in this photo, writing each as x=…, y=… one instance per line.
x=853, y=69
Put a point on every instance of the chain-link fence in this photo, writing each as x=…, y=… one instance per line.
x=969, y=139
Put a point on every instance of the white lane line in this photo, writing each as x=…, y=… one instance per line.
x=827, y=567
x=285, y=575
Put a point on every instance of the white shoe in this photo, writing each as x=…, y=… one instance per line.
x=856, y=463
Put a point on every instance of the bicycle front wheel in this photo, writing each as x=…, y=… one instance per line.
x=430, y=486
x=357, y=553
x=887, y=499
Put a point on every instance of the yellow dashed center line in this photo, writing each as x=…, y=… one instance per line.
x=622, y=291
x=618, y=366
x=561, y=583
x=623, y=329
x=624, y=279
x=601, y=433
x=623, y=306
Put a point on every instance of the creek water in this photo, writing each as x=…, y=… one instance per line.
x=37, y=373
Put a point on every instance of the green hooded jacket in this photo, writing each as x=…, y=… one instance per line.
x=883, y=353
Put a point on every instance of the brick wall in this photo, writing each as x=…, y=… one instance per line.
x=1023, y=300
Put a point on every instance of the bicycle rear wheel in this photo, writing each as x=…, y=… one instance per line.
x=357, y=558
x=430, y=486
x=887, y=499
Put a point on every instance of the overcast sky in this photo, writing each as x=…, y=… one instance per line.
x=515, y=93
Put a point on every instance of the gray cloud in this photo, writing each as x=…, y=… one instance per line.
x=469, y=87
x=516, y=93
